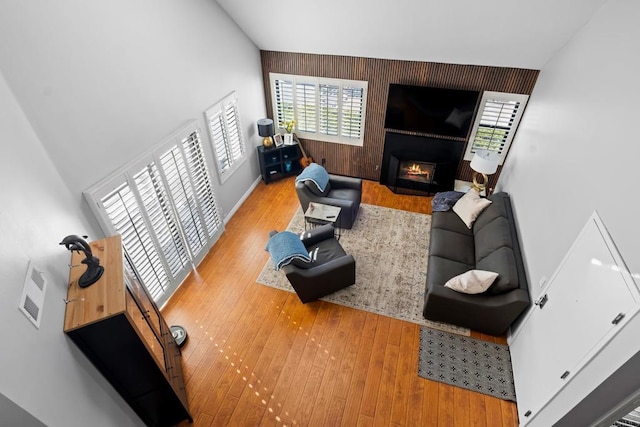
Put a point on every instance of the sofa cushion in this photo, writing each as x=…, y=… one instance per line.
x=440, y=270
x=451, y=245
x=449, y=221
x=491, y=237
x=498, y=208
x=472, y=281
x=470, y=206
x=503, y=262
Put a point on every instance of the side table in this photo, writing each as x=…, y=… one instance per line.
x=320, y=214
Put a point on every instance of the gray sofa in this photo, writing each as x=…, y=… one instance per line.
x=492, y=244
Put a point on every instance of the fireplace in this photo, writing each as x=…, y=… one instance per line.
x=421, y=165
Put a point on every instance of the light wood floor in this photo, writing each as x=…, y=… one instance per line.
x=257, y=356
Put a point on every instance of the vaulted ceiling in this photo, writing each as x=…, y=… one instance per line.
x=508, y=33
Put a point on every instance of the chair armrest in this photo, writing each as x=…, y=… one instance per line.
x=335, y=266
x=318, y=234
x=339, y=181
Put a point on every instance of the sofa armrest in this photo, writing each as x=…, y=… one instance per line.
x=339, y=181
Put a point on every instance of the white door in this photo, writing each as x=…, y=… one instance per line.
x=588, y=291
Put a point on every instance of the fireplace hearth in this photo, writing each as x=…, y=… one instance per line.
x=420, y=165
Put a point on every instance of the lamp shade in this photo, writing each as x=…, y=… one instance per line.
x=265, y=127
x=485, y=161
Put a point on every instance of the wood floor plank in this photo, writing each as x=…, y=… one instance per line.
x=387, y=381
x=461, y=414
x=361, y=372
x=374, y=376
x=310, y=364
x=405, y=370
x=446, y=407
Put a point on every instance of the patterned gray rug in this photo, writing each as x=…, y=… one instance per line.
x=390, y=247
x=466, y=362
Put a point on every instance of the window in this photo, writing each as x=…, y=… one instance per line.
x=329, y=110
x=223, y=122
x=496, y=123
x=164, y=208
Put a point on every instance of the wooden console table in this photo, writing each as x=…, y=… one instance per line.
x=119, y=328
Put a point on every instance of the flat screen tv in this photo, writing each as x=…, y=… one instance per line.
x=430, y=110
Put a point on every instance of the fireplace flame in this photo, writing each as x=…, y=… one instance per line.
x=415, y=169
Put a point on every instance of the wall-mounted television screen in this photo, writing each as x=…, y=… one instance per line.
x=430, y=110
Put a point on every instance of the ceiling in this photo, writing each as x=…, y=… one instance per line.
x=508, y=33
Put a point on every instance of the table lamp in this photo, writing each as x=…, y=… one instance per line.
x=484, y=163
x=266, y=130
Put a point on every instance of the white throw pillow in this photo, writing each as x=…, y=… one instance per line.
x=470, y=206
x=472, y=282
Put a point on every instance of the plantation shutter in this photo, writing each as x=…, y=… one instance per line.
x=325, y=109
x=197, y=164
x=306, y=107
x=352, y=112
x=283, y=101
x=158, y=208
x=183, y=196
x=226, y=135
x=632, y=419
x=164, y=207
x=496, y=123
x=125, y=213
x=329, y=109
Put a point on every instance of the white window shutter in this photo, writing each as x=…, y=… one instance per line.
x=325, y=109
x=154, y=199
x=225, y=131
x=125, y=213
x=306, y=107
x=164, y=207
x=352, y=112
x=283, y=93
x=496, y=123
x=197, y=164
x=329, y=111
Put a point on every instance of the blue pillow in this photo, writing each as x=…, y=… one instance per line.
x=316, y=174
x=444, y=201
x=284, y=247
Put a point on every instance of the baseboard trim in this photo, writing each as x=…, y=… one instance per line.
x=244, y=197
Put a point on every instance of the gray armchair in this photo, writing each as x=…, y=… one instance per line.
x=342, y=191
x=330, y=270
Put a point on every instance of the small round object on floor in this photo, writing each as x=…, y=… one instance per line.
x=179, y=334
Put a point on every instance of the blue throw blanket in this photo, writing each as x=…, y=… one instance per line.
x=444, y=201
x=284, y=247
x=316, y=173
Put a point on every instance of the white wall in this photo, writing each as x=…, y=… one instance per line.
x=84, y=87
x=43, y=371
x=103, y=81
x=576, y=151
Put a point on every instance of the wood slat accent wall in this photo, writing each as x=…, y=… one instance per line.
x=364, y=162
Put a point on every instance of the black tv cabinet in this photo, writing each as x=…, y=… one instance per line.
x=279, y=162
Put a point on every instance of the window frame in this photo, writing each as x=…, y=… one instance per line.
x=317, y=82
x=219, y=109
x=502, y=97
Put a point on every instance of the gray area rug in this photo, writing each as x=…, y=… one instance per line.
x=390, y=247
x=466, y=362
